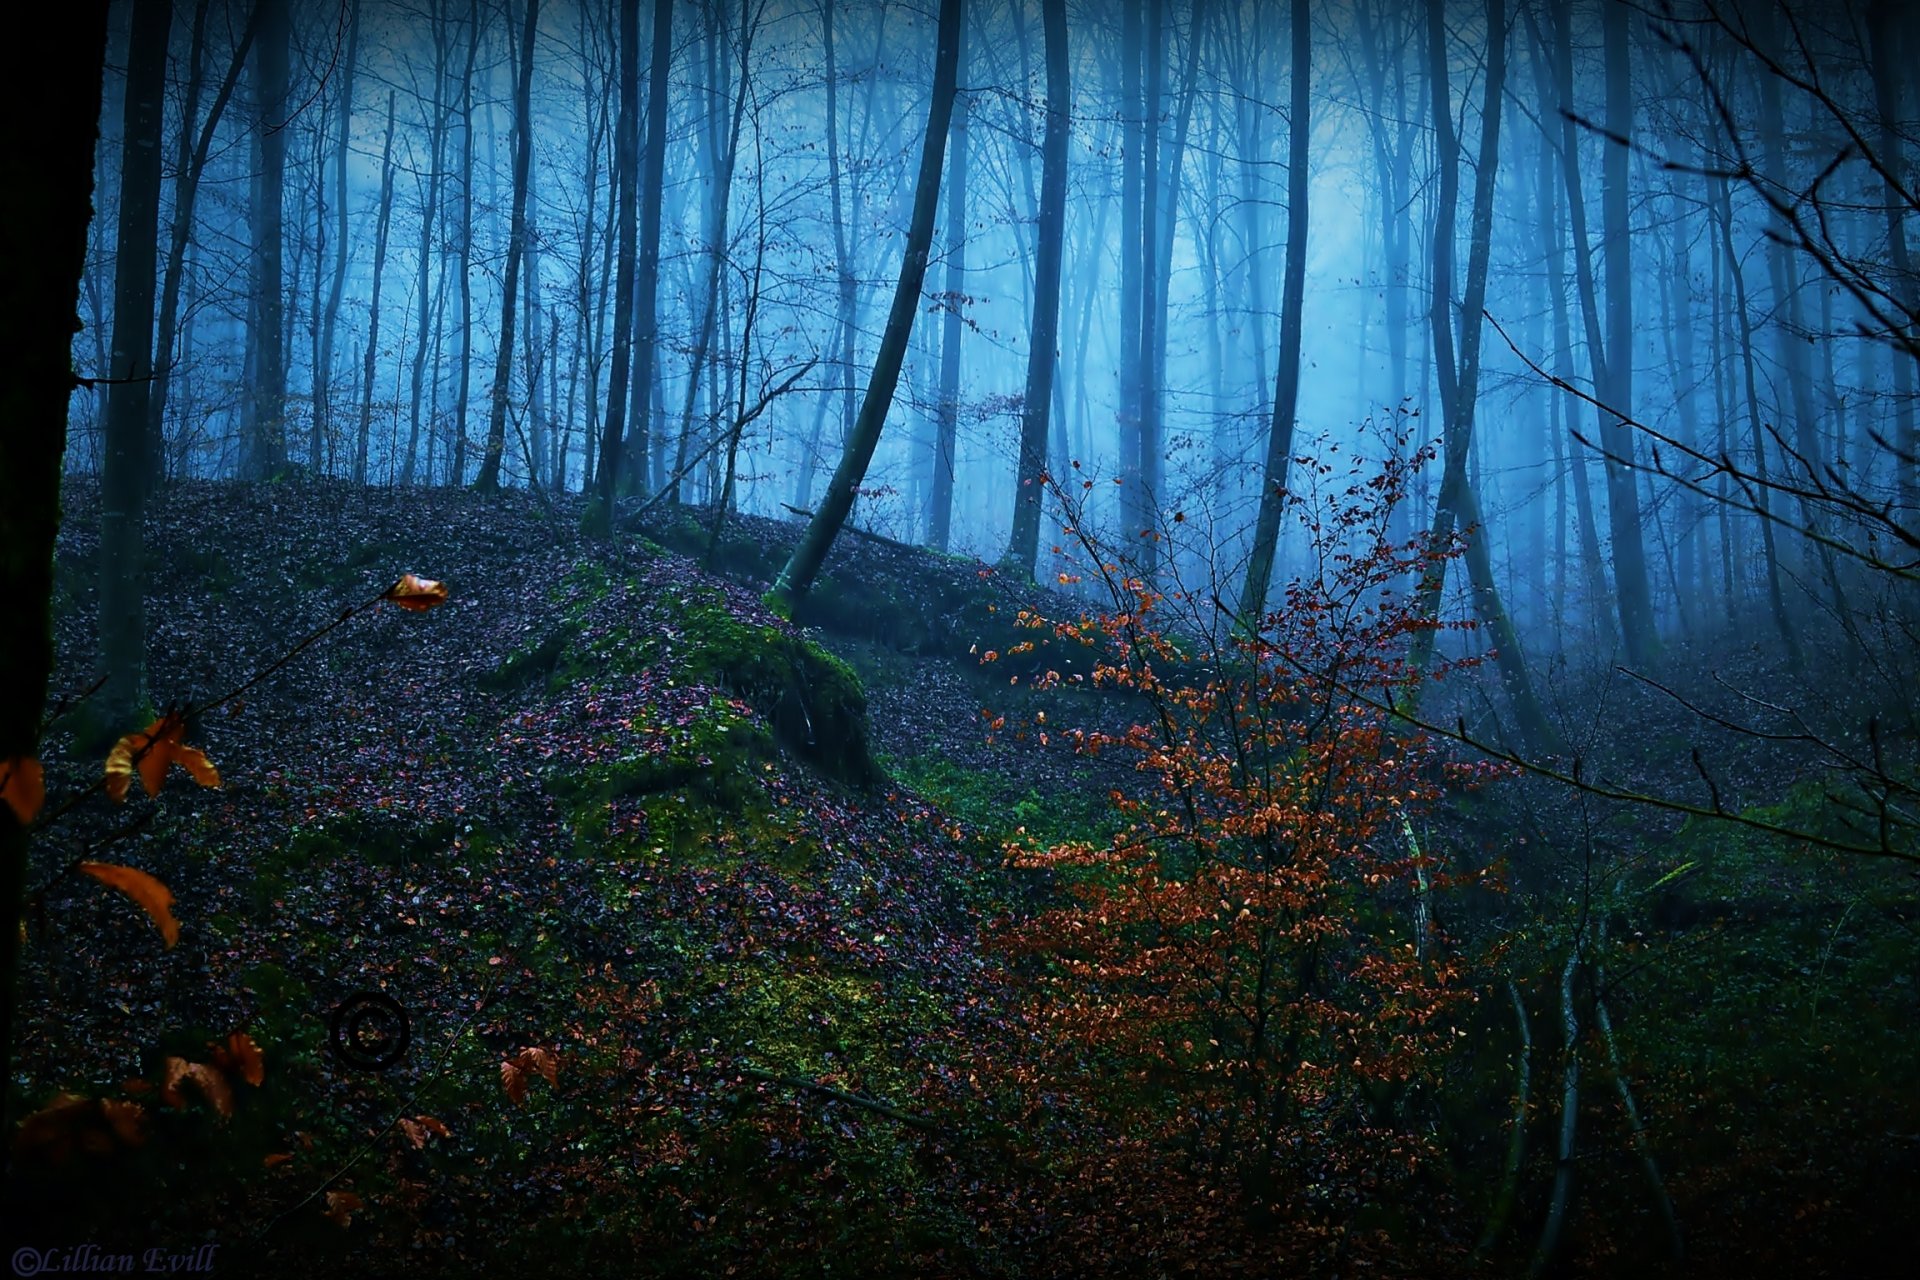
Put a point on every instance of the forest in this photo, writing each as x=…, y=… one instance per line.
x=961, y=638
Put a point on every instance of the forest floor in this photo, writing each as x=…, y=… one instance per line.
x=741, y=883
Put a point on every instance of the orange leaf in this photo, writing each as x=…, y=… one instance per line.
x=416, y=593
x=540, y=1060
x=23, y=786
x=128, y=1119
x=514, y=1081
x=211, y=1084
x=434, y=1127
x=341, y=1206
x=155, y=898
x=240, y=1055
x=274, y=1159
x=151, y=752
x=413, y=1132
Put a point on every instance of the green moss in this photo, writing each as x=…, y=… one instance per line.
x=813, y=700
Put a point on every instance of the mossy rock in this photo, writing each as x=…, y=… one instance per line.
x=812, y=699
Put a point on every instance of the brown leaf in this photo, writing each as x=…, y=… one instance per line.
x=151, y=752
x=413, y=1132
x=416, y=593
x=514, y=1081
x=274, y=1159
x=211, y=1084
x=51, y=1132
x=23, y=786
x=341, y=1206
x=127, y=1119
x=241, y=1056
x=534, y=1058
x=435, y=1127
x=154, y=897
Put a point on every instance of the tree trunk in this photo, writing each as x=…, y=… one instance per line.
x=121, y=617
x=796, y=578
x=43, y=242
x=436, y=151
x=265, y=449
x=488, y=481
x=1887, y=85
x=464, y=383
x=1286, y=381
x=646, y=337
x=367, y=363
x=947, y=408
x=336, y=288
x=1044, y=340
x=626, y=166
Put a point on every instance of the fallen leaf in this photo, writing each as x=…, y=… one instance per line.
x=23, y=786
x=416, y=593
x=341, y=1206
x=274, y=1159
x=154, y=897
x=211, y=1084
x=241, y=1055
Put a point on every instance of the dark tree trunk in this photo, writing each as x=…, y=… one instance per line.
x=265, y=449
x=947, y=408
x=489, y=478
x=646, y=320
x=1044, y=339
x=121, y=616
x=1286, y=381
x=436, y=152
x=368, y=359
x=626, y=165
x=796, y=578
x=43, y=249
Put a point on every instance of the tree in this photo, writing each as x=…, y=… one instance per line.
x=122, y=618
x=337, y=285
x=1459, y=368
x=626, y=163
x=43, y=249
x=192, y=163
x=797, y=576
x=429, y=209
x=947, y=407
x=646, y=356
x=266, y=442
x=1043, y=358
x=1286, y=380
x=367, y=362
x=489, y=478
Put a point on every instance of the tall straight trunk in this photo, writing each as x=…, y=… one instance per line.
x=846, y=287
x=367, y=365
x=1043, y=342
x=192, y=163
x=626, y=166
x=1134, y=517
x=436, y=152
x=1458, y=507
x=1721, y=206
x=337, y=285
x=1790, y=345
x=464, y=375
x=646, y=338
x=265, y=448
x=1286, y=381
x=1160, y=268
x=1888, y=84
x=1610, y=352
x=947, y=410
x=488, y=480
x=1151, y=448
x=121, y=616
x=796, y=578
x=1554, y=240
x=723, y=155
x=43, y=235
